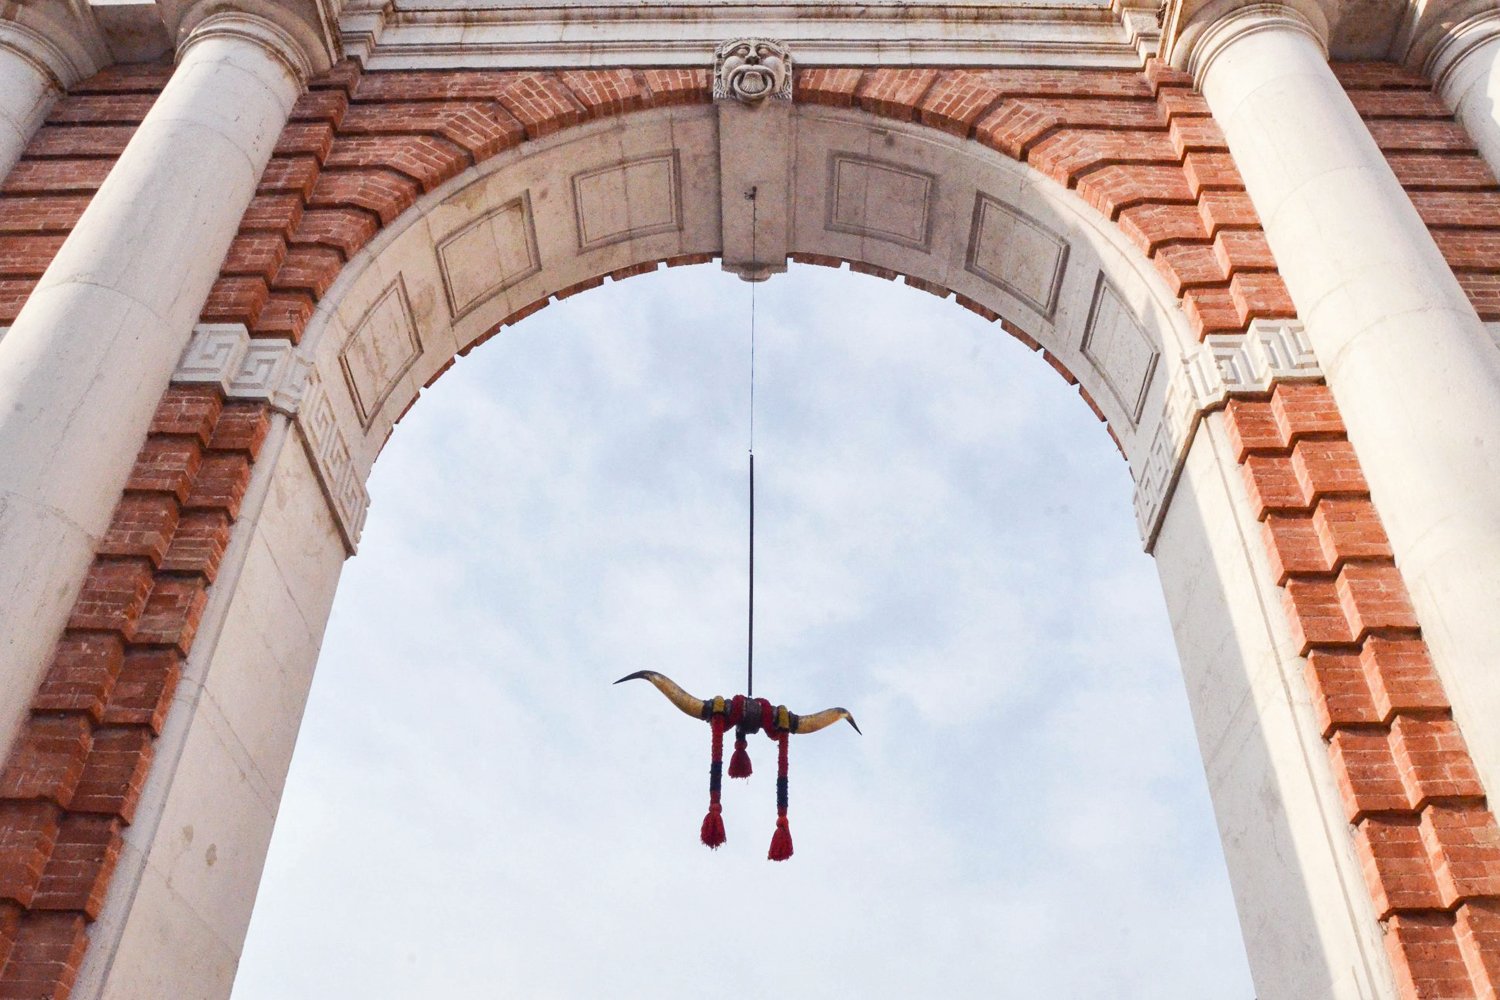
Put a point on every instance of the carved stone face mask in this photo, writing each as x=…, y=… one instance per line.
x=752, y=69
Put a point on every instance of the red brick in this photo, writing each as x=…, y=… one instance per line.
x=47, y=759
x=1365, y=769
x=236, y=300
x=480, y=128
x=1317, y=617
x=321, y=106
x=289, y=175
x=273, y=213
x=1420, y=136
x=220, y=483
x=1207, y=172
x=1219, y=209
x=308, y=270
x=27, y=832
x=1374, y=598
x=50, y=214
x=1197, y=135
x=383, y=192
x=45, y=960
x=115, y=772
x=1113, y=189
x=1243, y=250
x=285, y=315
x=1478, y=929
x=1151, y=225
x=142, y=526
x=310, y=138
x=1458, y=209
x=10, y=926
x=1441, y=170
x=1260, y=295
x=1433, y=761
x=1188, y=265
x=540, y=103
x=256, y=255
x=1401, y=676
x=143, y=693
x=1341, y=695
x=242, y=426
x=894, y=91
x=1211, y=310
x=166, y=464
x=56, y=177
x=28, y=256
x=678, y=85
x=426, y=159
x=82, y=673
x=1469, y=248
x=605, y=91
x=1349, y=529
x=1377, y=75
x=198, y=544
x=1253, y=428
x=1399, y=104
x=188, y=411
x=126, y=78
x=80, y=140
x=1426, y=957
x=1396, y=865
x=114, y=595
x=344, y=229
x=1327, y=468
x=83, y=859
x=101, y=109
x=1294, y=548
x=1304, y=409
x=173, y=612
x=1272, y=483
x=1068, y=153
x=1463, y=844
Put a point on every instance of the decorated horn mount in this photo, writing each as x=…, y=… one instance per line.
x=746, y=715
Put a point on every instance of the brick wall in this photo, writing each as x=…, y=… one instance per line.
x=1141, y=148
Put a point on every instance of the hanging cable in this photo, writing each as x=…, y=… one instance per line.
x=750, y=623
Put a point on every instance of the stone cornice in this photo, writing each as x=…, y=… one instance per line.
x=390, y=34
x=261, y=31
x=301, y=33
x=66, y=48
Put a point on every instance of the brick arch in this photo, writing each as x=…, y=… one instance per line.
x=364, y=150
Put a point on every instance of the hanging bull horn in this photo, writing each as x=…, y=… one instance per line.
x=746, y=715
x=685, y=702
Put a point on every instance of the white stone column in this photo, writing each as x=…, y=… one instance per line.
x=87, y=359
x=1414, y=372
x=33, y=74
x=1464, y=67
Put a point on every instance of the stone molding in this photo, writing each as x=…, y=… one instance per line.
x=261, y=31
x=519, y=36
x=1455, y=44
x=1213, y=32
x=62, y=69
x=1248, y=364
x=273, y=372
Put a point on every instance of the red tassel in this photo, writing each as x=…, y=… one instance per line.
x=713, y=828
x=781, y=841
x=739, y=764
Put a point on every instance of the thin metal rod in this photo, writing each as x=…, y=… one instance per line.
x=750, y=636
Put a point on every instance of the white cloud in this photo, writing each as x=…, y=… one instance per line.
x=945, y=547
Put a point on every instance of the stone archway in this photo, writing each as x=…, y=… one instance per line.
x=403, y=215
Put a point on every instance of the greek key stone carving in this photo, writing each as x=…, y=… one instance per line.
x=271, y=370
x=1246, y=364
x=752, y=69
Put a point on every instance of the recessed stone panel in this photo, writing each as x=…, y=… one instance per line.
x=884, y=201
x=1017, y=254
x=380, y=350
x=488, y=255
x=638, y=197
x=1119, y=348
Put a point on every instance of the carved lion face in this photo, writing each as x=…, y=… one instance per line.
x=752, y=69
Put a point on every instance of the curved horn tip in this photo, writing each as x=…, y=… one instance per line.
x=849, y=718
x=637, y=676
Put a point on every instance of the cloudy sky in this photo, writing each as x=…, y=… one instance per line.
x=945, y=546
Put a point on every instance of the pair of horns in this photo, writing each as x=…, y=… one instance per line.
x=698, y=708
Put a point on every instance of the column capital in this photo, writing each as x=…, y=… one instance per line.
x=63, y=45
x=1442, y=41
x=302, y=34
x=1196, y=32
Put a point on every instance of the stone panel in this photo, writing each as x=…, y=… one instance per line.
x=635, y=198
x=1018, y=254
x=488, y=255
x=1116, y=344
x=883, y=201
x=382, y=347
